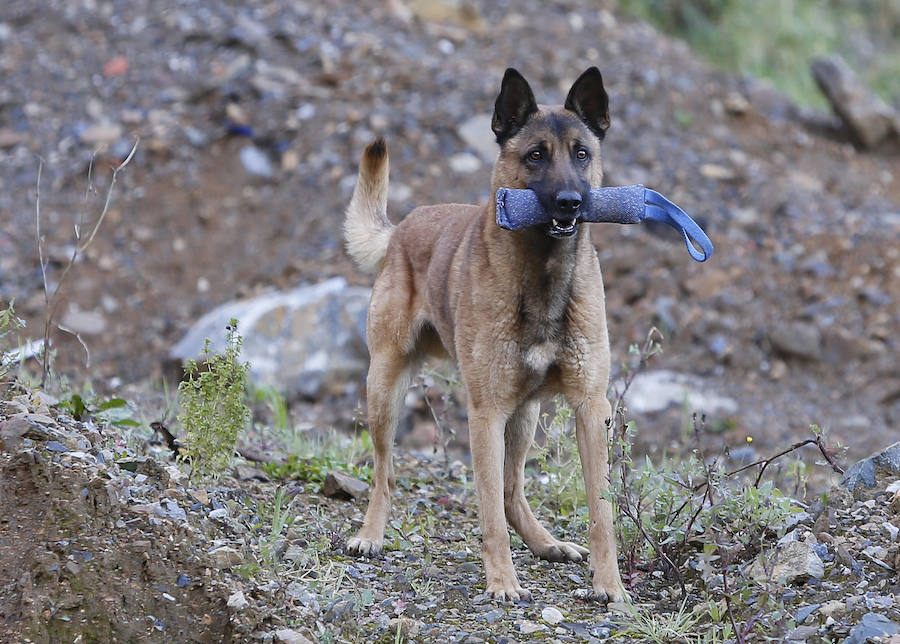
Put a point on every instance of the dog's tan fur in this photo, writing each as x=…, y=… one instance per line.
x=523, y=316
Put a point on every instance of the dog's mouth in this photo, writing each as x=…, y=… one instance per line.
x=562, y=227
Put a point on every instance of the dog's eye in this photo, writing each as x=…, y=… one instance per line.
x=535, y=155
x=581, y=154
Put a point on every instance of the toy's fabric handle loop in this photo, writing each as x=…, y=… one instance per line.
x=658, y=208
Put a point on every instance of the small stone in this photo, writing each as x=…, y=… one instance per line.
x=805, y=611
x=201, y=496
x=226, y=557
x=101, y=134
x=793, y=562
x=464, y=163
x=551, y=615
x=56, y=446
x=872, y=625
x=289, y=636
x=237, y=601
x=493, y=616
x=797, y=340
x=802, y=633
x=341, y=485
x=716, y=172
x=528, y=628
x=834, y=609
x=10, y=138
x=736, y=104
x=256, y=162
x=406, y=626
x=220, y=513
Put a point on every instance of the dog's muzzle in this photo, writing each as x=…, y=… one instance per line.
x=562, y=228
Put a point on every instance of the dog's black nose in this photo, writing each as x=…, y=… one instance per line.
x=568, y=201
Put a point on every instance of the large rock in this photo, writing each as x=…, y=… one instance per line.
x=866, y=471
x=655, y=391
x=305, y=342
x=868, y=118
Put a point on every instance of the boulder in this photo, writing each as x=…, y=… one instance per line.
x=306, y=342
x=655, y=391
x=869, y=119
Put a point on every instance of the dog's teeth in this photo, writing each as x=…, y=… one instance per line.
x=555, y=223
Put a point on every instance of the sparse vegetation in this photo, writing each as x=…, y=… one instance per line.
x=84, y=237
x=213, y=411
x=776, y=39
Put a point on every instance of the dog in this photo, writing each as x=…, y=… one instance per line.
x=522, y=314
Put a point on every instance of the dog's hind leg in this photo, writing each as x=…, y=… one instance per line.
x=386, y=386
x=519, y=436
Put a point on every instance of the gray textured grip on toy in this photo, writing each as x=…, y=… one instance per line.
x=619, y=205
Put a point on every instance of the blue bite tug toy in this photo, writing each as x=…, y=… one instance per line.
x=619, y=205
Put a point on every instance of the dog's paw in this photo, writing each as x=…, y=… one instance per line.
x=562, y=551
x=513, y=594
x=359, y=547
x=603, y=596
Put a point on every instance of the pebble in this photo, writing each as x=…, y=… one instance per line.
x=290, y=636
x=464, y=163
x=256, y=162
x=226, y=557
x=551, y=615
x=528, y=628
x=101, y=134
x=237, y=601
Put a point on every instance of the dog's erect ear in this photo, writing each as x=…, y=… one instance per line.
x=589, y=101
x=514, y=105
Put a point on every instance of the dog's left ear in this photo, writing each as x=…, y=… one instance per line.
x=589, y=101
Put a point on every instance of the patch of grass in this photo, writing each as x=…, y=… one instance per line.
x=311, y=458
x=212, y=406
x=776, y=39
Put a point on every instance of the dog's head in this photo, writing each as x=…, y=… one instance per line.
x=552, y=150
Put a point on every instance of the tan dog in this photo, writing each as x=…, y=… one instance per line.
x=522, y=313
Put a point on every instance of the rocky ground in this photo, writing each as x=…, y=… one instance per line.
x=251, y=119
x=104, y=545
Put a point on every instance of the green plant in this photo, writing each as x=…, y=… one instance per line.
x=276, y=405
x=658, y=627
x=212, y=406
x=560, y=464
x=311, y=458
x=114, y=411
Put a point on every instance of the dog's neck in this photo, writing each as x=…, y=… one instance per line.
x=542, y=271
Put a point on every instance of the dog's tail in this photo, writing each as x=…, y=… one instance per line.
x=367, y=228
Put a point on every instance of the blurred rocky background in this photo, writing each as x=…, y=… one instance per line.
x=252, y=115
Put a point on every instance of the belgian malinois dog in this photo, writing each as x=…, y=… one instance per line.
x=521, y=312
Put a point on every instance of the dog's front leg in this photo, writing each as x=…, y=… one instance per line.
x=591, y=433
x=486, y=431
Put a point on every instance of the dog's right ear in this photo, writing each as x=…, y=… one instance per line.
x=513, y=107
